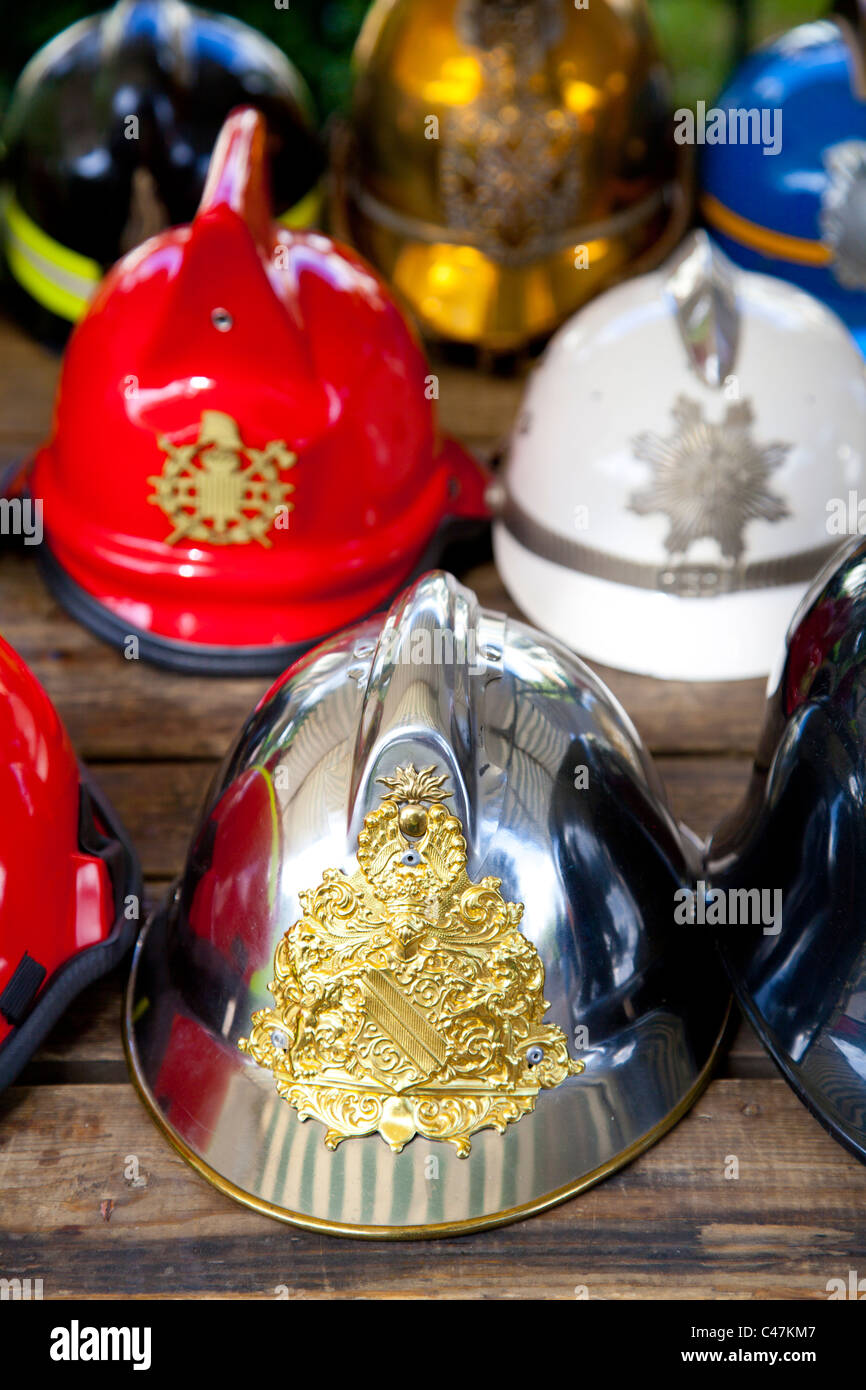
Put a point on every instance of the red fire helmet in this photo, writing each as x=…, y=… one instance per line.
x=69, y=883
x=245, y=454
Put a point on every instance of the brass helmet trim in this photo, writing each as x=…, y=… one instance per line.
x=549, y=243
x=530, y=142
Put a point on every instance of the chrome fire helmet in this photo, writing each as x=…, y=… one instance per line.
x=108, y=138
x=429, y=911
x=665, y=497
x=799, y=840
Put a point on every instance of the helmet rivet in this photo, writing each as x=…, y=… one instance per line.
x=534, y=1055
x=413, y=820
x=221, y=320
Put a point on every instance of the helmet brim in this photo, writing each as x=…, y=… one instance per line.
x=252, y=1149
x=823, y=1078
x=209, y=659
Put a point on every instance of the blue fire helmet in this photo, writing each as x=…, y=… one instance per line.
x=795, y=206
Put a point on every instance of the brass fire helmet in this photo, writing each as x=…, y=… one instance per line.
x=421, y=973
x=509, y=159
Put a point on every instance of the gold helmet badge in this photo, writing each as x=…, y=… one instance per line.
x=406, y=1000
x=220, y=490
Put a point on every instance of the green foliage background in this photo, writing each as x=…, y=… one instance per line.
x=697, y=36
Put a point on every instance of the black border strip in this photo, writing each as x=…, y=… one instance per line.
x=71, y=978
x=205, y=660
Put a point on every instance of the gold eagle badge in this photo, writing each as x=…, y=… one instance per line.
x=406, y=1000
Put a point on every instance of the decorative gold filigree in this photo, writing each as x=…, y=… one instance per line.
x=220, y=490
x=406, y=1000
x=511, y=162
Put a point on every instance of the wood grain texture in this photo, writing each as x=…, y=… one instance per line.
x=670, y=1225
x=121, y=709
x=28, y=374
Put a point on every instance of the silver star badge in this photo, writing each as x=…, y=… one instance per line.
x=709, y=479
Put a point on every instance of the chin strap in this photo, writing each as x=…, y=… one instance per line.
x=679, y=576
x=21, y=990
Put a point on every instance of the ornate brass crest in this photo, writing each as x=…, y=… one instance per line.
x=511, y=165
x=218, y=489
x=406, y=1000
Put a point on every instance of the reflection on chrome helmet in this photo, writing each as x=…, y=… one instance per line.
x=429, y=910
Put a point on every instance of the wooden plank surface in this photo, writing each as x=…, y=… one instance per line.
x=668, y=1226
x=118, y=709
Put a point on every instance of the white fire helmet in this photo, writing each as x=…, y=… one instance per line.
x=689, y=453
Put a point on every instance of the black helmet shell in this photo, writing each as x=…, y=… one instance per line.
x=109, y=134
x=801, y=832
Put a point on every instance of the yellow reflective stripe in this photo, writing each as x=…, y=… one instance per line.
x=787, y=248
x=27, y=232
x=307, y=212
x=60, y=301
x=63, y=280
x=59, y=279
